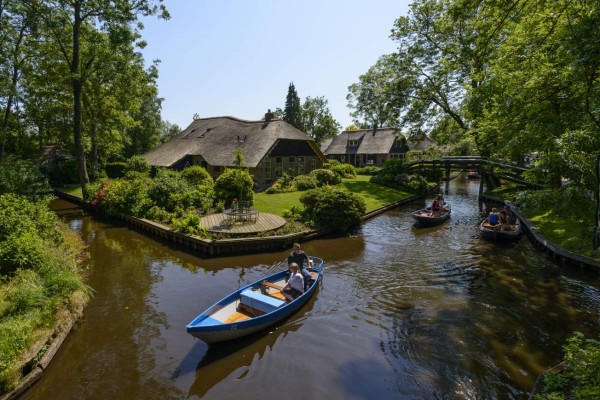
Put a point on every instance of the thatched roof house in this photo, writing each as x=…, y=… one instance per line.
x=365, y=147
x=269, y=147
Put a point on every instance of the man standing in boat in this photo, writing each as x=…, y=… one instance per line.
x=299, y=257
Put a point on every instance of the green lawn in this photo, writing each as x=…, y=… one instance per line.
x=375, y=196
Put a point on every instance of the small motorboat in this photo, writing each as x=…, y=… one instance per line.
x=252, y=308
x=500, y=232
x=425, y=217
x=473, y=175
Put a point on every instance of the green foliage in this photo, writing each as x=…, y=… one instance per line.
x=578, y=377
x=344, y=170
x=197, y=176
x=115, y=169
x=325, y=177
x=369, y=170
x=317, y=120
x=234, y=183
x=22, y=177
x=292, y=113
x=567, y=201
x=333, y=208
x=305, y=182
x=137, y=164
x=293, y=214
x=168, y=188
x=189, y=224
x=39, y=272
x=284, y=184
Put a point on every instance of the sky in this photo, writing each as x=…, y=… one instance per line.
x=238, y=57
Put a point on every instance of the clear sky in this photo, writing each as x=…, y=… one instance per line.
x=238, y=57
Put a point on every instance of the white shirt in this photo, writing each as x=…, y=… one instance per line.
x=296, y=281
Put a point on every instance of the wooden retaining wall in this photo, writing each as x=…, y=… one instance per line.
x=220, y=247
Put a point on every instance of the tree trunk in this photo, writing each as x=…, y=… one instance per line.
x=77, y=82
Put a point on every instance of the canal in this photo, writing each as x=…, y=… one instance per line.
x=402, y=313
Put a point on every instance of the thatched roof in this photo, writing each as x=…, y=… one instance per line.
x=54, y=154
x=215, y=139
x=424, y=144
x=379, y=141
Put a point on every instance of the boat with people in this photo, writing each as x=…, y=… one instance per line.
x=472, y=174
x=499, y=232
x=253, y=307
x=426, y=218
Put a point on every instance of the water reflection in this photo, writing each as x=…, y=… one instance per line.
x=401, y=313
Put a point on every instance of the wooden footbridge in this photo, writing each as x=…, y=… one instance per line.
x=505, y=170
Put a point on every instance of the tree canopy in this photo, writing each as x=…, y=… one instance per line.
x=508, y=77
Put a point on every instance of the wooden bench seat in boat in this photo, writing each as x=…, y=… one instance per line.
x=259, y=301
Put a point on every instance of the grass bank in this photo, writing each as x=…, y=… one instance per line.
x=374, y=195
x=568, y=231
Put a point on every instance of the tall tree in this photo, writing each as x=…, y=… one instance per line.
x=17, y=27
x=72, y=24
x=317, y=120
x=292, y=113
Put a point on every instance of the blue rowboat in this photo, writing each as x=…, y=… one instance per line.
x=252, y=308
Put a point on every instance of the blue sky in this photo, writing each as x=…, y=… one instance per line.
x=238, y=57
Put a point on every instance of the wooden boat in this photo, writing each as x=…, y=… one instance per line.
x=251, y=308
x=473, y=175
x=425, y=217
x=506, y=232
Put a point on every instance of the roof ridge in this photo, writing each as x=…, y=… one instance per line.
x=262, y=121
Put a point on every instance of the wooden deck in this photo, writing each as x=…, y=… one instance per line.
x=220, y=223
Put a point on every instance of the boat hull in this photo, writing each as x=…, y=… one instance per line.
x=495, y=233
x=211, y=326
x=423, y=218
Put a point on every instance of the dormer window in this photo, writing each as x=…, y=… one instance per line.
x=352, y=142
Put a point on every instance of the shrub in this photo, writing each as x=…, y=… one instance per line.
x=22, y=177
x=284, y=184
x=579, y=375
x=168, y=187
x=115, y=169
x=333, y=208
x=369, y=170
x=189, y=224
x=344, y=170
x=234, y=183
x=137, y=164
x=305, y=182
x=197, y=176
x=325, y=177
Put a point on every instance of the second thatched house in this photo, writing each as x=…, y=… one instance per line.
x=371, y=147
x=269, y=147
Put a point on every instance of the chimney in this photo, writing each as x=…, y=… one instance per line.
x=269, y=116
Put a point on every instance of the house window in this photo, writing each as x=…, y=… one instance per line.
x=352, y=142
x=267, y=169
x=300, y=165
x=313, y=164
x=343, y=158
x=292, y=166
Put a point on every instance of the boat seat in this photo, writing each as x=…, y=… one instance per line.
x=259, y=301
x=271, y=285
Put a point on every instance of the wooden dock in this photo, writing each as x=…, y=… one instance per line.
x=222, y=223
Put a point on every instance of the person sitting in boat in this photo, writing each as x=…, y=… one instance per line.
x=299, y=257
x=512, y=219
x=295, y=284
x=494, y=218
x=436, y=206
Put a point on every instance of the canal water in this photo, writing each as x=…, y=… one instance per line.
x=402, y=313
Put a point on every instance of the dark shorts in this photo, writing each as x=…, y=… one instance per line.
x=295, y=293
